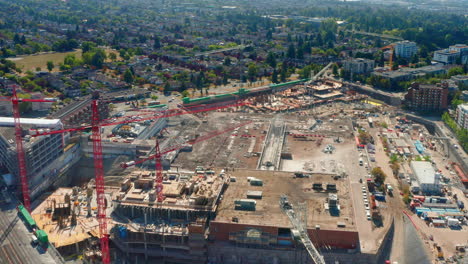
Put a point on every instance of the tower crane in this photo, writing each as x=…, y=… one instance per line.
x=99, y=175
x=167, y=113
x=23, y=174
x=95, y=126
x=390, y=47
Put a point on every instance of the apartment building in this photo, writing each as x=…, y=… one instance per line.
x=44, y=155
x=452, y=54
x=359, y=65
x=405, y=49
x=462, y=116
x=427, y=97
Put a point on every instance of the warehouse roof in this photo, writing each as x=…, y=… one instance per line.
x=424, y=172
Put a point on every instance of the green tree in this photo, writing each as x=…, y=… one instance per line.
x=252, y=72
x=274, y=76
x=50, y=65
x=87, y=46
x=271, y=59
x=98, y=58
x=291, y=51
x=379, y=175
x=157, y=43
x=128, y=76
x=335, y=69
x=185, y=93
x=455, y=71
x=227, y=61
x=112, y=56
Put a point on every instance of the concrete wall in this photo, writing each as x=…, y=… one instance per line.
x=333, y=238
x=227, y=253
x=379, y=95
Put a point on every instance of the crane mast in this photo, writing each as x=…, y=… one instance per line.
x=298, y=224
x=20, y=152
x=159, y=175
x=99, y=174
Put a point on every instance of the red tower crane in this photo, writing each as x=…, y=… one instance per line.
x=98, y=158
x=20, y=152
x=167, y=113
x=159, y=176
x=23, y=173
x=99, y=174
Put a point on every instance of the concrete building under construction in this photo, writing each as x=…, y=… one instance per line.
x=206, y=216
x=173, y=231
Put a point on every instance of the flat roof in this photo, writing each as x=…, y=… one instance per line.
x=39, y=122
x=298, y=190
x=424, y=172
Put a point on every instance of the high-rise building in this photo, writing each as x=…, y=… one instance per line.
x=405, y=49
x=462, y=116
x=426, y=97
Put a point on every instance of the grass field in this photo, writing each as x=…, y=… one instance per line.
x=31, y=62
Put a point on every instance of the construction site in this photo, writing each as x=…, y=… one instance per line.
x=270, y=177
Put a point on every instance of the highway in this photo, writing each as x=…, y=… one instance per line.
x=15, y=239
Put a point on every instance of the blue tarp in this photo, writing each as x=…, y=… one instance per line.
x=419, y=146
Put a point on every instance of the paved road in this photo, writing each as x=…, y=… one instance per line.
x=15, y=239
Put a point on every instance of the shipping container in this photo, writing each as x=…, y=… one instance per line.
x=254, y=194
x=42, y=237
x=256, y=182
x=26, y=217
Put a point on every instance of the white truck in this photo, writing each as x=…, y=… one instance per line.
x=453, y=222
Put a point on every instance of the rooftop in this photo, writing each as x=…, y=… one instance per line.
x=298, y=190
x=38, y=122
x=424, y=172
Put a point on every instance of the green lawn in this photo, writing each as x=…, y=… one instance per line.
x=31, y=62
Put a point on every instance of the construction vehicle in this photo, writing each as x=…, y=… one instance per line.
x=438, y=251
